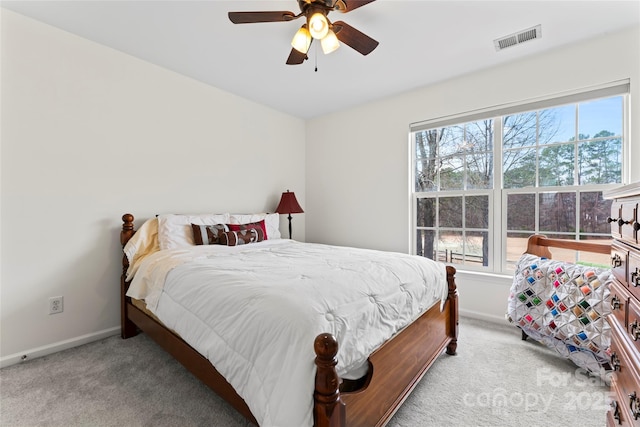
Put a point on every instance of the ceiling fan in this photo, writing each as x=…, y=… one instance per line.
x=317, y=26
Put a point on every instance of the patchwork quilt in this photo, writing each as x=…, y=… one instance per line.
x=563, y=306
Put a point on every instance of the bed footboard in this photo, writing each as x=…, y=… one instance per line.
x=394, y=369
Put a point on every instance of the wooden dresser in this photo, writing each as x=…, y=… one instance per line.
x=625, y=305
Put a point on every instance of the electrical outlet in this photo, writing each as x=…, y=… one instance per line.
x=56, y=305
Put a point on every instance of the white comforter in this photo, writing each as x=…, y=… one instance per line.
x=255, y=310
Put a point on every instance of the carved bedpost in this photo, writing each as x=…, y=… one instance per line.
x=329, y=410
x=453, y=310
x=128, y=329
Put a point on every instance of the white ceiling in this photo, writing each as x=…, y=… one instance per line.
x=421, y=42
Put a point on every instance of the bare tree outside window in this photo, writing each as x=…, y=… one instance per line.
x=454, y=158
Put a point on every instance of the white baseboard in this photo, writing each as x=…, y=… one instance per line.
x=482, y=316
x=56, y=347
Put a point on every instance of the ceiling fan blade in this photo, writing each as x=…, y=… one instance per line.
x=296, y=57
x=252, y=17
x=348, y=5
x=354, y=38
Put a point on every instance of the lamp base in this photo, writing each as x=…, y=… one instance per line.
x=289, y=217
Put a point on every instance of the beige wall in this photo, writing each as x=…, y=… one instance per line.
x=358, y=167
x=89, y=133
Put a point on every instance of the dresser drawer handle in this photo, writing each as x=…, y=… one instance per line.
x=616, y=261
x=634, y=331
x=635, y=278
x=615, y=361
x=615, y=303
x=634, y=405
x=620, y=221
x=615, y=408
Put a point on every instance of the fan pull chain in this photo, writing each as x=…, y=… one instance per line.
x=315, y=50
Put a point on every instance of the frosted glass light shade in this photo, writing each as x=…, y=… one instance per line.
x=329, y=42
x=318, y=26
x=302, y=40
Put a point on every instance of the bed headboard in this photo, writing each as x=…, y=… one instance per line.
x=125, y=234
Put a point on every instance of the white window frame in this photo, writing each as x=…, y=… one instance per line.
x=497, y=262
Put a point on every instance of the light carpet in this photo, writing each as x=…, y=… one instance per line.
x=496, y=379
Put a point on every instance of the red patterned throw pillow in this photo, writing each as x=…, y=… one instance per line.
x=208, y=234
x=241, y=237
x=252, y=225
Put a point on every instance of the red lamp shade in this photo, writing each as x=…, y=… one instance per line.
x=289, y=205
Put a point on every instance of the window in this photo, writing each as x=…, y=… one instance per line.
x=484, y=182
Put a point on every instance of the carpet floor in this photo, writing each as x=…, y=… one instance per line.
x=496, y=379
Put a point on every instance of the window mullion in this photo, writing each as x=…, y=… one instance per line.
x=497, y=204
x=576, y=181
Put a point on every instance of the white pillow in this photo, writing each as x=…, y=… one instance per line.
x=143, y=243
x=174, y=231
x=271, y=222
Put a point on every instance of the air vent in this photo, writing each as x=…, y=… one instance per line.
x=519, y=37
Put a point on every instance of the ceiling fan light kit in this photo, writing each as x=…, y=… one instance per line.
x=302, y=40
x=329, y=42
x=317, y=27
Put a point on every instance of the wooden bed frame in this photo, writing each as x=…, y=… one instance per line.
x=539, y=245
x=394, y=369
